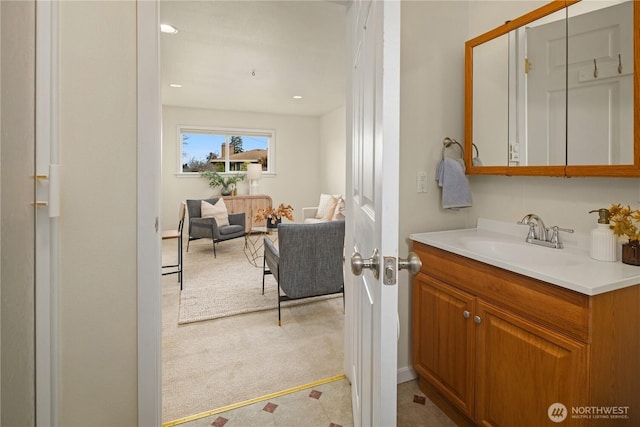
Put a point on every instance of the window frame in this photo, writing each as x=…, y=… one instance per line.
x=270, y=134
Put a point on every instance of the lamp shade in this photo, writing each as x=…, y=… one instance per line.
x=254, y=171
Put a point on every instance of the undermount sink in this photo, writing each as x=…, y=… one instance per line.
x=521, y=252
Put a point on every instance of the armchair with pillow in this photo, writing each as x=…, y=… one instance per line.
x=330, y=208
x=210, y=219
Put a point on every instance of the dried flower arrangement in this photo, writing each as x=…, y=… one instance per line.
x=275, y=214
x=623, y=219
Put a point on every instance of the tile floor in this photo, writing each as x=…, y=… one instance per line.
x=325, y=405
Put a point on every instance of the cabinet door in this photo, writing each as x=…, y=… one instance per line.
x=523, y=368
x=443, y=339
x=233, y=204
x=259, y=203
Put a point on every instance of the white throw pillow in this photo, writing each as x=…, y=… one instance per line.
x=338, y=213
x=330, y=209
x=217, y=211
x=325, y=200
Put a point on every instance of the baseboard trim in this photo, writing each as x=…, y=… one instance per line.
x=406, y=374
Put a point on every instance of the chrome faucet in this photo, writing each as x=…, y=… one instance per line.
x=527, y=220
x=542, y=236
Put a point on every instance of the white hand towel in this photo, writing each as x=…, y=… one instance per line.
x=456, y=192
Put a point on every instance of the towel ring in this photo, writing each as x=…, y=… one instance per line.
x=448, y=142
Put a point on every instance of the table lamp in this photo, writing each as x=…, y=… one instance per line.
x=254, y=174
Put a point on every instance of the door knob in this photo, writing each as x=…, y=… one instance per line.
x=358, y=263
x=412, y=263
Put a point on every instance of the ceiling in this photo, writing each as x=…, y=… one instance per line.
x=254, y=55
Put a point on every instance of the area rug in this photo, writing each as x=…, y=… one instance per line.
x=223, y=300
x=226, y=285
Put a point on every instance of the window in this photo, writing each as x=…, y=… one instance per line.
x=223, y=150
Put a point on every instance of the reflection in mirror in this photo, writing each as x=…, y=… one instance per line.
x=600, y=83
x=572, y=104
x=491, y=100
x=541, y=128
x=513, y=123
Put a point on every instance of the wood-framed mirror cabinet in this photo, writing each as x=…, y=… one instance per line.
x=518, y=137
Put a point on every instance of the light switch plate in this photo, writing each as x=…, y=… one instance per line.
x=514, y=152
x=421, y=182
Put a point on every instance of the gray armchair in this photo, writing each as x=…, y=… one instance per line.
x=308, y=261
x=207, y=228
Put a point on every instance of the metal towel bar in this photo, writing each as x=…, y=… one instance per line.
x=448, y=142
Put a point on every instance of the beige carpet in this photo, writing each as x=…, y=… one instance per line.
x=214, y=302
x=214, y=363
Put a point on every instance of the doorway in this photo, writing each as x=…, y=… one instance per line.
x=253, y=72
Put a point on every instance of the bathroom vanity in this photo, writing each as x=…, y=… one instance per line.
x=503, y=329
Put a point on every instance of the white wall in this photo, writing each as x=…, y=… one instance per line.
x=431, y=107
x=298, y=172
x=484, y=15
x=564, y=202
x=333, y=152
x=17, y=405
x=98, y=158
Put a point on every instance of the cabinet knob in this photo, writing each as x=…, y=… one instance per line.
x=466, y=314
x=477, y=319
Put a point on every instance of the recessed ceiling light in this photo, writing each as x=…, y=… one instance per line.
x=297, y=97
x=175, y=85
x=168, y=29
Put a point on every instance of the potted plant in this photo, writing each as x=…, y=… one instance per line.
x=226, y=182
x=274, y=215
x=624, y=224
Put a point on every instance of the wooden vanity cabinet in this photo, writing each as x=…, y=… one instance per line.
x=495, y=348
x=522, y=368
x=444, y=339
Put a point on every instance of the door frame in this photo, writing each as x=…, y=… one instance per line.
x=46, y=223
x=149, y=261
x=149, y=303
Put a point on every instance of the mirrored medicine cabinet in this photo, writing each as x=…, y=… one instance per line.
x=555, y=92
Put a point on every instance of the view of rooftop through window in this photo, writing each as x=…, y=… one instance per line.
x=223, y=151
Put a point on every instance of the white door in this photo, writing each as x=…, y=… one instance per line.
x=592, y=67
x=546, y=92
x=371, y=329
x=600, y=72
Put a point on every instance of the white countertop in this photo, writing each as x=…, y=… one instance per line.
x=570, y=268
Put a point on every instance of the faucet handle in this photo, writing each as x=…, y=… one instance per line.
x=532, y=229
x=555, y=229
x=555, y=238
